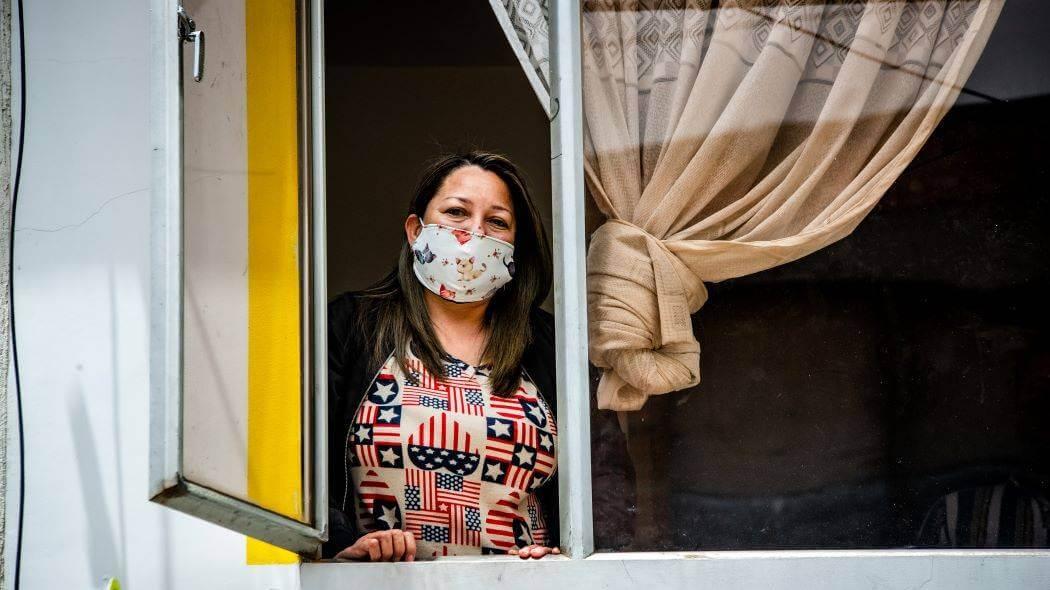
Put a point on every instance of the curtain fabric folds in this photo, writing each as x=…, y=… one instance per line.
x=525, y=23
x=725, y=138
x=722, y=141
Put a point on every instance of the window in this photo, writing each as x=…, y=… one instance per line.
x=880, y=392
x=672, y=460
x=234, y=284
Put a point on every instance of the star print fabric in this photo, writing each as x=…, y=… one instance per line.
x=446, y=459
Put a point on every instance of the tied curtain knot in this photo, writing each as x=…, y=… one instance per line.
x=640, y=298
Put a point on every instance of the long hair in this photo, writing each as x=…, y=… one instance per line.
x=395, y=307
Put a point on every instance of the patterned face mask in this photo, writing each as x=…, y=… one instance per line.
x=461, y=265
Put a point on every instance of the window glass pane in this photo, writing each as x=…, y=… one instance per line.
x=870, y=362
x=242, y=332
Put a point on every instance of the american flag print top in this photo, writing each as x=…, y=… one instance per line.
x=449, y=461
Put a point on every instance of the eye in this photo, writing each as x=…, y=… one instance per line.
x=500, y=223
x=456, y=211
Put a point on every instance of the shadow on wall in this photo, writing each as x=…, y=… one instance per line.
x=105, y=550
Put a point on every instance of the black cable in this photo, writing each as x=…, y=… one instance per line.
x=11, y=290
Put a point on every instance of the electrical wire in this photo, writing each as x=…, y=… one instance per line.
x=11, y=291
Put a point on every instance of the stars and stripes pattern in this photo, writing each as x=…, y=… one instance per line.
x=445, y=444
x=466, y=525
x=377, y=505
x=442, y=506
x=421, y=388
x=427, y=523
x=517, y=454
x=522, y=404
x=420, y=489
x=446, y=434
x=384, y=389
x=508, y=407
x=455, y=391
x=504, y=526
x=375, y=437
x=465, y=400
x=446, y=459
x=536, y=521
x=453, y=489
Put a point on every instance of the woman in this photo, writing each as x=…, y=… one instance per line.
x=441, y=380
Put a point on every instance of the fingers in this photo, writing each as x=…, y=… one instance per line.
x=533, y=551
x=352, y=552
x=391, y=545
x=410, y=547
x=364, y=548
x=398, y=539
x=374, y=552
x=386, y=546
x=522, y=552
x=398, y=545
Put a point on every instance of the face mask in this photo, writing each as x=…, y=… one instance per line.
x=461, y=265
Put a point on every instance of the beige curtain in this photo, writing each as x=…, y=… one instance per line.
x=725, y=140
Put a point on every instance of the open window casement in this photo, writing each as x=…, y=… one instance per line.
x=237, y=359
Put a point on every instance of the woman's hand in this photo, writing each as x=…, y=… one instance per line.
x=534, y=551
x=390, y=545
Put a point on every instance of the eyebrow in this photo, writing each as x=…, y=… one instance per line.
x=466, y=200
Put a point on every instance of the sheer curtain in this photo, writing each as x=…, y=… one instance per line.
x=726, y=138
x=724, y=142
x=525, y=23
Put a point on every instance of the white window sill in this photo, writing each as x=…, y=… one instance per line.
x=722, y=570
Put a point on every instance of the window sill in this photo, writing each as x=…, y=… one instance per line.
x=963, y=569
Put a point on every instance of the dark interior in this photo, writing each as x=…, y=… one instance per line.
x=406, y=82
x=845, y=396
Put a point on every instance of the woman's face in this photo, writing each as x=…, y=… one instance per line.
x=473, y=199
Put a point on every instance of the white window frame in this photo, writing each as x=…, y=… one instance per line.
x=168, y=484
x=579, y=566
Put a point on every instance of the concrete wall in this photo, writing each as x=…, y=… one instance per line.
x=5, y=234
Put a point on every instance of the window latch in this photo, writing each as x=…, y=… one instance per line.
x=188, y=33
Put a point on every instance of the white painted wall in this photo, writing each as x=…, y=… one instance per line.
x=82, y=293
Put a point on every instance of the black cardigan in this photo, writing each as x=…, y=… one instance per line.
x=350, y=371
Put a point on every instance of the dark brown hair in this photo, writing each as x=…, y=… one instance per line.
x=395, y=307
